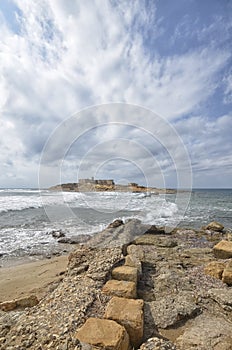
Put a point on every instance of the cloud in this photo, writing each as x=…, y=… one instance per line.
x=64, y=56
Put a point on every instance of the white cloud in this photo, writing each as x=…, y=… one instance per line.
x=69, y=55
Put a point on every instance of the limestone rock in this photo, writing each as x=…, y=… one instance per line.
x=223, y=296
x=215, y=226
x=133, y=261
x=116, y=237
x=215, y=269
x=206, y=332
x=125, y=289
x=168, y=311
x=223, y=250
x=227, y=273
x=158, y=241
x=30, y=301
x=136, y=251
x=125, y=273
x=128, y=313
x=105, y=334
x=157, y=344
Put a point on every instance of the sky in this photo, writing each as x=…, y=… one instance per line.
x=135, y=91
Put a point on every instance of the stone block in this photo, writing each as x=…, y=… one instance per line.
x=133, y=261
x=223, y=250
x=215, y=269
x=136, y=250
x=125, y=273
x=125, y=289
x=227, y=274
x=128, y=313
x=105, y=334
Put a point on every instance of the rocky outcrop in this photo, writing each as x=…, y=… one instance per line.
x=207, y=332
x=116, y=237
x=169, y=311
x=184, y=308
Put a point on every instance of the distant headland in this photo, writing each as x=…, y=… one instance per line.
x=93, y=185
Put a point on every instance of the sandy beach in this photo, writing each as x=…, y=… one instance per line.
x=30, y=278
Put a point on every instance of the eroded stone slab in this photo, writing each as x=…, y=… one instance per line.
x=128, y=313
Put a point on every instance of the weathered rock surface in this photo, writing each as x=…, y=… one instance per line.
x=170, y=310
x=227, y=274
x=223, y=250
x=223, y=296
x=116, y=237
x=215, y=269
x=215, y=226
x=136, y=251
x=106, y=334
x=207, y=332
x=52, y=324
x=124, y=289
x=157, y=344
x=196, y=305
x=128, y=313
x=75, y=239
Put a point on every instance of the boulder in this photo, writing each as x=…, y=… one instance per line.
x=170, y=310
x=157, y=344
x=206, y=332
x=125, y=273
x=227, y=274
x=215, y=226
x=105, y=334
x=115, y=223
x=123, y=289
x=128, y=313
x=215, y=269
x=223, y=250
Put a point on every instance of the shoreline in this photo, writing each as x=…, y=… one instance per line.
x=31, y=277
x=176, y=278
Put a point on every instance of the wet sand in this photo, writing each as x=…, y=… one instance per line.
x=31, y=278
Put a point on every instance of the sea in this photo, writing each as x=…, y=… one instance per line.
x=28, y=216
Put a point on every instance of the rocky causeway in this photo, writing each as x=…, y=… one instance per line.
x=132, y=286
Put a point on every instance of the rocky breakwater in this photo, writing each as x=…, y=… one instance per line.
x=133, y=286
